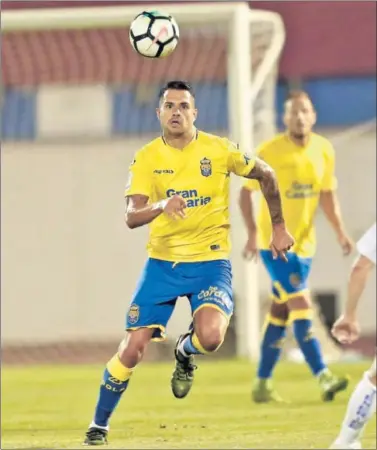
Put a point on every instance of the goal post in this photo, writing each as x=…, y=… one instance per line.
x=254, y=41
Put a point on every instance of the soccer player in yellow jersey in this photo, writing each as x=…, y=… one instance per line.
x=304, y=165
x=179, y=184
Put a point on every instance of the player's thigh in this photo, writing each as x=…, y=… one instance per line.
x=289, y=279
x=212, y=302
x=154, y=299
x=212, y=288
x=133, y=346
x=279, y=310
x=210, y=326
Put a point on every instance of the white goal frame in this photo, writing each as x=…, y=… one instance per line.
x=243, y=88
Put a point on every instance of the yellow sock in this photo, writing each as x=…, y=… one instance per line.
x=117, y=369
x=196, y=343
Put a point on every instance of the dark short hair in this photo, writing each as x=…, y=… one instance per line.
x=293, y=95
x=178, y=85
x=298, y=94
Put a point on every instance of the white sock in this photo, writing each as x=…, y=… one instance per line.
x=323, y=371
x=180, y=347
x=93, y=425
x=361, y=407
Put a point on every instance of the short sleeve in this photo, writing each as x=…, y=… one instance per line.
x=139, y=177
x=366, y=246
x=253, y=185
x=329, y=181
x=238, y=163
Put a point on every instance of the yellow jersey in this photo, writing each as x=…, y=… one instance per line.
x=200, y=173
x=302, y=173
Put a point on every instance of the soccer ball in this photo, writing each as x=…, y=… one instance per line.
x=154, y=34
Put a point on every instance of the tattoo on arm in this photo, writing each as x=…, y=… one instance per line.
x=263, y=173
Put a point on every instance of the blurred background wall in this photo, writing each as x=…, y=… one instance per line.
x=71, y=125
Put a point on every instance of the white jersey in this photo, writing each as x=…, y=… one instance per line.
x=366, y=246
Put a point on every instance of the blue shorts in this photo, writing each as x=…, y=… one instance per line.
x=206, y=283
x=288, y=278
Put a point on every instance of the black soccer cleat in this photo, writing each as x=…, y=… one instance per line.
x=95, y=436
x=183, y=375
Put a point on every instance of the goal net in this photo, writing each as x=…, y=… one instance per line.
x=77, y=102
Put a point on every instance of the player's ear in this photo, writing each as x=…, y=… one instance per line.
x=158, y=113
x=195, y=114
x=285, y=118
x=314, y=116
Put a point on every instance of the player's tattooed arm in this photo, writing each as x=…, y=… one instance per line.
x=266, y=177
x=139, y=212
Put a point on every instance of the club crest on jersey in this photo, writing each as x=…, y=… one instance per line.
x=133, y=314
x=206, y=167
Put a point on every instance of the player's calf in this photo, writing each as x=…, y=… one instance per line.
x=301, y=316
x=274, y=332
x=115, y=381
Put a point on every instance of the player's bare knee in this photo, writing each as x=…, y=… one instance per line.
x=210, y=338
x=132, y=348
x=279, y=311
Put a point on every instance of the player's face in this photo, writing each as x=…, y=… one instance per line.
x=299, y=116
x=177, y=112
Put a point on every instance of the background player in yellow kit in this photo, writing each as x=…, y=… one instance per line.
x=179, y=184
x=304, y=165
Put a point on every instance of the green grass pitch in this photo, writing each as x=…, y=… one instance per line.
x=51, y=407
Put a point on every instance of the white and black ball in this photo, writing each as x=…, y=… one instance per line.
x=154, y=34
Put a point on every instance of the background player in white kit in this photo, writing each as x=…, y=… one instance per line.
x=362, y=404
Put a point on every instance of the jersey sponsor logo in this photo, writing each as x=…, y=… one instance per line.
x=206, y=167
x=191, y=196
x=301, y=190
x=163, y=171
x=133, y=314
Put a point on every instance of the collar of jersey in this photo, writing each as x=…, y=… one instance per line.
x=195, y=138
x=298, y=147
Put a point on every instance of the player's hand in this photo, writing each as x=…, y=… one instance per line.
x=250, y=251
x=346, y=329
x=175, y=207
x=281, y=242
x=346, y=243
